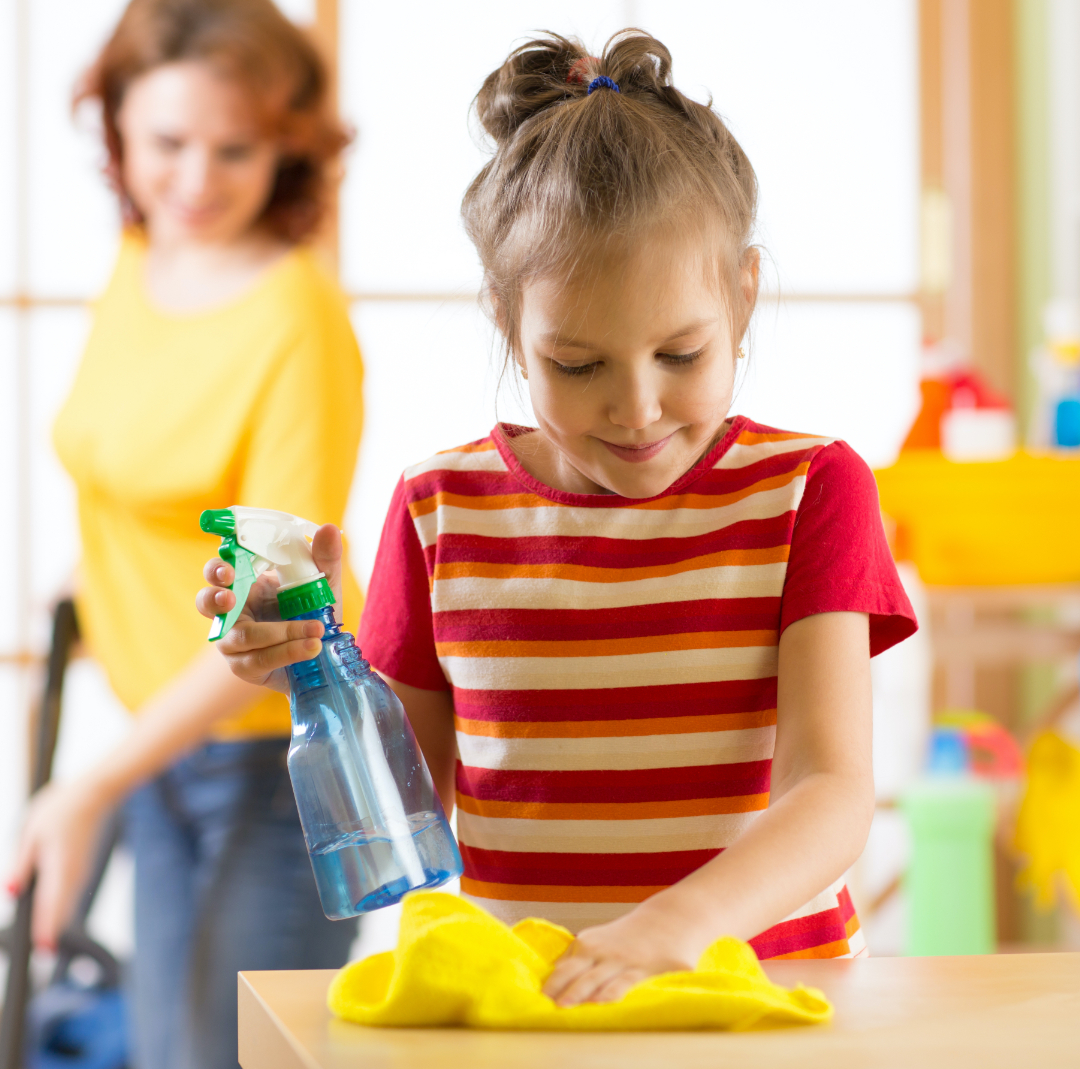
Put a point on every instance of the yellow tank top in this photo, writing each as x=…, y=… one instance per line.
x=255, y=403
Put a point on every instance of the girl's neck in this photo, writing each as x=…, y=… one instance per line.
x=546, y=463
x=190, y=277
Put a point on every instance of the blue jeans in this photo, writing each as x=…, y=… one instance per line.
x=222, y=884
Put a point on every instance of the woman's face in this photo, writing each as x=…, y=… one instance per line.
x=631, y=367
x=197, y=163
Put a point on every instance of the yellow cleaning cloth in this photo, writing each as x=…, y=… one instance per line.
x=1048, y=825
x=455, y=964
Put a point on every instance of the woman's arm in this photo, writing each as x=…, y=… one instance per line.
x=61, y=829
x=821, y=805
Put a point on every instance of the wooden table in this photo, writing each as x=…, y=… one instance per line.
x=1009, y=1011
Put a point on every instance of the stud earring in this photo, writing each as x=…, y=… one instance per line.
x=524, y=371
x=742, y=353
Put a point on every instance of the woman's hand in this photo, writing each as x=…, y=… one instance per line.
x=604, y=962
x=59, y=838
x=261, y=644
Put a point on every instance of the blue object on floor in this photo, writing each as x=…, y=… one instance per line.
x=75, y=1027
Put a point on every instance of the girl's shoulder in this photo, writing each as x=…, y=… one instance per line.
x=473, y=462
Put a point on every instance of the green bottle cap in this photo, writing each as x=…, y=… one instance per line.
x=307, y=597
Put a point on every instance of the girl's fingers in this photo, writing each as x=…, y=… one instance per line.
x=251, y=636
x=585, y=987
x=254, y=650
x=212, y=600
x=218, y=573
x=615, y=988
x=326, y=550
x=567, y=969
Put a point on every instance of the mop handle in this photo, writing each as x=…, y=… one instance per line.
x=17, y=938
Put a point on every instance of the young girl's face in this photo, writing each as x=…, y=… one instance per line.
x=631, y=368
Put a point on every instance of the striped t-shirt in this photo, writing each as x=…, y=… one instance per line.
x=613, y=661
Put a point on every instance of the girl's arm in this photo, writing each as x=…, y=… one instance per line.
x=431, y=713
x=820, y=808
x=60, y=833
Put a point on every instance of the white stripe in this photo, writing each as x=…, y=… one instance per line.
x=618, y=752
x=660, y=834
x=522, y=592
x=541, y=521
x=743, y=454
x=484, y=460
x=827, y=899
x=625, y=670
x=572, y=915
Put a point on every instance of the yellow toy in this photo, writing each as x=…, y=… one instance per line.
x=455, y=964
x=1048, y=825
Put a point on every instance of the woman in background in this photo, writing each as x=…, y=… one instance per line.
x=221, y=358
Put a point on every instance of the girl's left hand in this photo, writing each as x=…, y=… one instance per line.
x=604, y=962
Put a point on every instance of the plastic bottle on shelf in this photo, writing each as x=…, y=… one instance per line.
x=374, y=826
x=950, y=879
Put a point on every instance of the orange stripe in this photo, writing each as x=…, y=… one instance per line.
x=486, y=445
x=835, y=949
x=610, y=647
x=524, y=892
x=712, y=501
x=495, y=502
x=612, y=729
x=852, y=925
x=725, y=558
x=680, y=807
x=754, y=438
x=482, y=503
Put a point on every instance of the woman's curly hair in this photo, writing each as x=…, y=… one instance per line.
x=254, y=42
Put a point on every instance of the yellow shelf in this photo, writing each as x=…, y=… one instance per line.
x=1005, y=522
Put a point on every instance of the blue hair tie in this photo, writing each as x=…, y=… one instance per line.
x=603, y=82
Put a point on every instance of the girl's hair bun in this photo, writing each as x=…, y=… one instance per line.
x=577, y=163
x=533, y=77
x=551, y=69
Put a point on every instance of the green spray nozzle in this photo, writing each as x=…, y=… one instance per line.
x=218, y=521
x=222, y=522
x=253, y=540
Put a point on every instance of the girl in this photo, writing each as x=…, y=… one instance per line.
x=636, y=638
x=218, y=353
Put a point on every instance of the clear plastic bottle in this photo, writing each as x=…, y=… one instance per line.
x=374, y=825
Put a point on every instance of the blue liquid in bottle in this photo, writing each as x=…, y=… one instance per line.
x=374, y=825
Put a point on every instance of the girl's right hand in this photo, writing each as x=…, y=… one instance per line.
x=261, y=644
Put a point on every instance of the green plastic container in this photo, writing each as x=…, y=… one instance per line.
x=950, y=880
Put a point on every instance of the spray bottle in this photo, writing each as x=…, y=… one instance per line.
x=374, y=825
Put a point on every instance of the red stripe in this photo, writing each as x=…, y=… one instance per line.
x=617, y=703
x=582, y=870
x=622, y=785
x=847, y=907
x=721, y=483
x=801, y=934
x=595, y=552
x=463, y=483
x=724, y=481
x=636, y=621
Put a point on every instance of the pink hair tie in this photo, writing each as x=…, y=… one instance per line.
x=578, y=69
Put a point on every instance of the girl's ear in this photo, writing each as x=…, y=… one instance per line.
x=749, y=272
x=499, y=312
